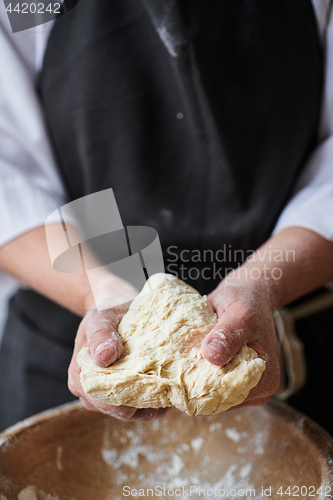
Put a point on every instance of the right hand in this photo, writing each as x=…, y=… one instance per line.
x=98, y=331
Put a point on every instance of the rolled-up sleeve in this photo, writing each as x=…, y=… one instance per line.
x=311, y=203
x=30, y=186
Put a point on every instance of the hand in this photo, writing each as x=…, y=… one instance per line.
x=98, y=331
x=244, y=317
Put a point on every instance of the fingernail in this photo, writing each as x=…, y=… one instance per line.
x=105, y=353
x=105, y=346
x=217, y=345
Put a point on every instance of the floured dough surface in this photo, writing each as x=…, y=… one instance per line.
x=161, y=364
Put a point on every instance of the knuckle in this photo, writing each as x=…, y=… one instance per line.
x=72, y=388
x=260, y=402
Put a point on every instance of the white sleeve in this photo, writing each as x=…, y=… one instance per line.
x=311, y=204
x=30, y=186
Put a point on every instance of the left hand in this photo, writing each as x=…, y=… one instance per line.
x=244, y=317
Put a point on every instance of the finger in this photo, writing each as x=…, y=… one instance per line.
x=146, y=414
x=124, y=412
x=119, y=412
x=251, y=402
x=73, y=381
x=104, y=343
x=270, y=379
x=87, y=405
x=222, y=344
x=162, y=412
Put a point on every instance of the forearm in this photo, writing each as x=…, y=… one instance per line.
x=290, y=264
x=27, y=258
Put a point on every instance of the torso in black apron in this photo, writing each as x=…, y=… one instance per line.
x=199, y=114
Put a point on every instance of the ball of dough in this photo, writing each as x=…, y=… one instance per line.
x=161, y=364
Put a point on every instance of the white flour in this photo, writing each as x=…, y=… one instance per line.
x=31, y=493
x=197, y=444
x=146, y=466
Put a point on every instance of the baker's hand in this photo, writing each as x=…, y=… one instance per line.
x=244, y=317
x=98, y=331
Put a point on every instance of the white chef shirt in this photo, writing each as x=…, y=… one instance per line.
x=30, y=187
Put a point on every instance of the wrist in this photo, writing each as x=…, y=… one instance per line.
x=107, y=291
x=289, y=265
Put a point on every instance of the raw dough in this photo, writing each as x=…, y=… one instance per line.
x=161, y=364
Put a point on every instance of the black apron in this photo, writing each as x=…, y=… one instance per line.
x=199, y=114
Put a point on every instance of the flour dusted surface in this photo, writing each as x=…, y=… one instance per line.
x=161, y=364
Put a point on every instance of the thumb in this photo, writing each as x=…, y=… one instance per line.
x=222, y=344
x=104, y=342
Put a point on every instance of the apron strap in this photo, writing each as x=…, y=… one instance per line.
x=291, y=349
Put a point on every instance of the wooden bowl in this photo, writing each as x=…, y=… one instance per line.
x=71, y=454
